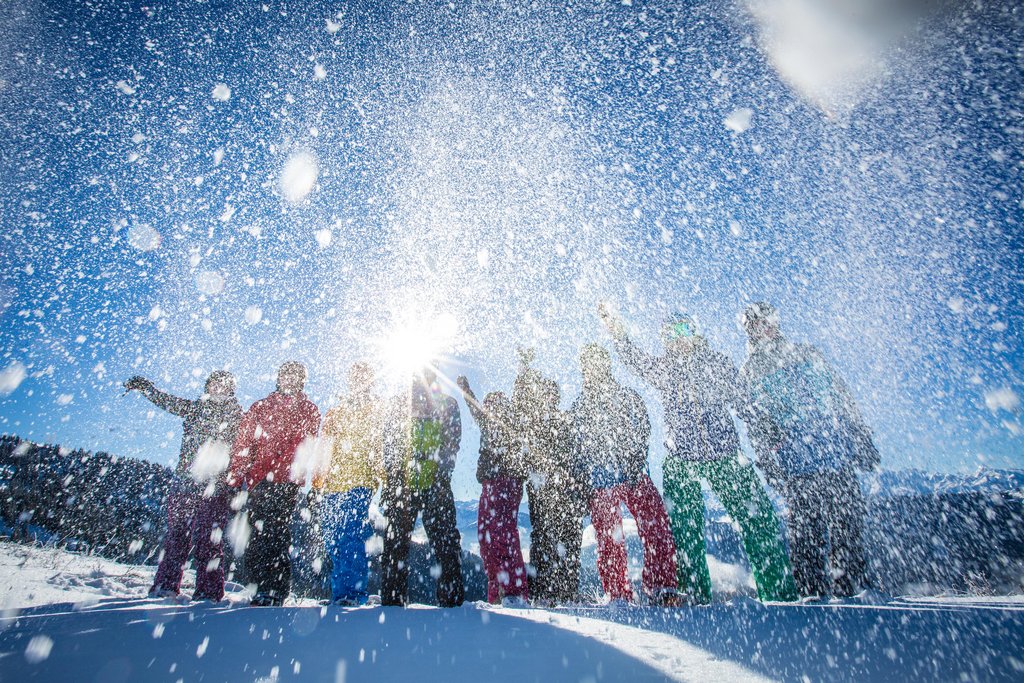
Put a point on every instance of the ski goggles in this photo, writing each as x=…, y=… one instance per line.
x=680, y=329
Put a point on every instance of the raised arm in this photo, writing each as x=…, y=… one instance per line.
x=175, y=405
x=645, y=365
x=475, y=409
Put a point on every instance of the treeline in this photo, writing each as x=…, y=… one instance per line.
x=113, y=506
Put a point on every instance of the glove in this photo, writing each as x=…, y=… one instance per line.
x=137, y=383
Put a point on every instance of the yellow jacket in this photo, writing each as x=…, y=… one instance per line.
x=356, y=431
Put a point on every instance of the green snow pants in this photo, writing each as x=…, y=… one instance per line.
x=736, y=485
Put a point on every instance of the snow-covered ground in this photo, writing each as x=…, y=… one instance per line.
x=73, y=617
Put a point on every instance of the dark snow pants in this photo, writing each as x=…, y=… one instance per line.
x=194, y=522
x=267, y=561
x=556, y=536
x=826, y=520
x=401, y=506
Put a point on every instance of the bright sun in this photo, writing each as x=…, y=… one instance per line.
x=417, y=342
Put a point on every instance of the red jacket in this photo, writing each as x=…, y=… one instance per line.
x=268, y=437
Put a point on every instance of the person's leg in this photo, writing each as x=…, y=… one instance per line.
x=181, y=509
x=808, y=533
x=443, y=532
x=400, y=508
x=685, y=505
x=257, y=557
x=541, y=546
x=485, y=522
x=567, y=534
x=211, y=521
x=611, y=544
x=349, y=574
x=330, y=521
x=743, y=497
x=647, y=508
x=275, y=513
x=847, y=509
x=505, y=533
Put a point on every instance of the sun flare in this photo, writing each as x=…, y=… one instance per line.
x=417, y=342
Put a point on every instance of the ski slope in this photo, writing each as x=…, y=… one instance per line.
x=72, y=617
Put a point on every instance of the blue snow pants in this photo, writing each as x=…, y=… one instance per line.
x=346, y=529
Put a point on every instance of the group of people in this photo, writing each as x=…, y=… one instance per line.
x=804, y=427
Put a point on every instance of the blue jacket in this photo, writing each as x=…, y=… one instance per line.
x=807, y=419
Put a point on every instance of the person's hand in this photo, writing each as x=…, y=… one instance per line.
x=463, y=383
x=608, y=319
x=137, y=383
x=867, y=457
x=526, y=356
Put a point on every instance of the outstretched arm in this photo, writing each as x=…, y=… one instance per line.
x=161, y=399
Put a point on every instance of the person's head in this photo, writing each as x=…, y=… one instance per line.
x=760, y=321
x=549, y=393
x=496, y=403
x=596, y=363
x=291, y=377
x=220, y=383
x=679, y=332
x=360, y=378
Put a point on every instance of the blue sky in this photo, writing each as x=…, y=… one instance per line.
x=506, y=168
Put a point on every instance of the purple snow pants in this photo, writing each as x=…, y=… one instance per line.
x=194, y=522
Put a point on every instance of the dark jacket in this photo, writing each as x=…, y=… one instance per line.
x=209, y=420
x=421, y=427
x=610, y=433
x=501, y=452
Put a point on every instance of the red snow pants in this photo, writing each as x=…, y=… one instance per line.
x=645, y=504
x=498, y=532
